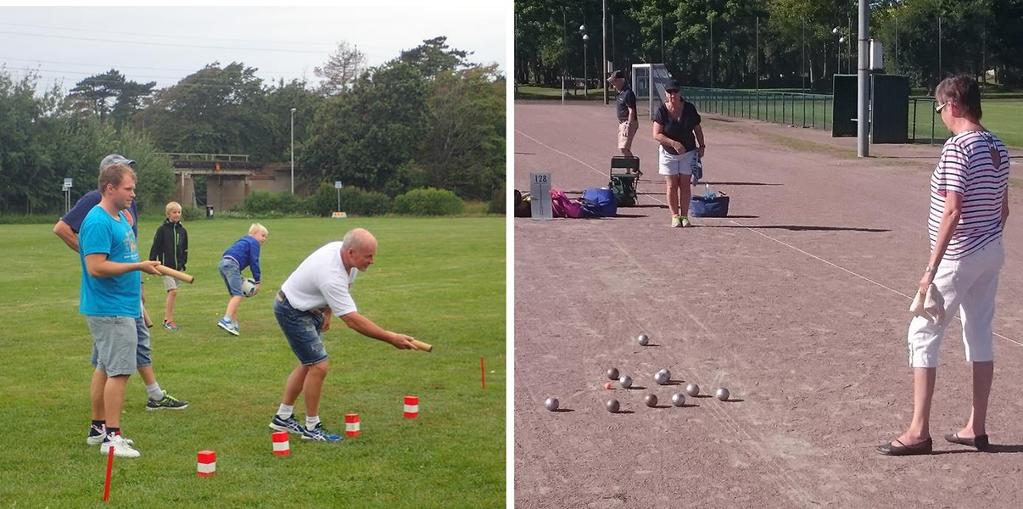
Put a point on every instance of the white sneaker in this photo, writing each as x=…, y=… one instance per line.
x=676, y=221
x=121, y=445
x=684, y=222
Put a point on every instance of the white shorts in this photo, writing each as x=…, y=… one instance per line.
x=967, y=285
x=671, y=164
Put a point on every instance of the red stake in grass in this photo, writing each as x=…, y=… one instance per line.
x=483, y=375
x=110, y=468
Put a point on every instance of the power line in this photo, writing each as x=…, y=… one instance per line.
x=175, y=36
x=194, y=82
x=119, y=67
x=141, y=43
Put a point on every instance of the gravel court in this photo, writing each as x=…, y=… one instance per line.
x=797, y=303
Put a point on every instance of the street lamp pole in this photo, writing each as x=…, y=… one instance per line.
x=292, y=150
x=586, y=90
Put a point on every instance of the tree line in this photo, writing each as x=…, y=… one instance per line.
x=801, y=43
x=428, y=117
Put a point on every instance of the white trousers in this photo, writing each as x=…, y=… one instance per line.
x=967, y=285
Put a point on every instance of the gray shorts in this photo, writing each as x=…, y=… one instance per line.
x=114, y=344
x=169, y=283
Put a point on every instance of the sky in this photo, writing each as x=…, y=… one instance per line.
x=165, y=44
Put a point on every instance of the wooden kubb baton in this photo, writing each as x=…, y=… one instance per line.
x=425, y=347
x=176, y=274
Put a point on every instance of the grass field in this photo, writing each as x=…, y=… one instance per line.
x=441, y=280
x=1003, y=116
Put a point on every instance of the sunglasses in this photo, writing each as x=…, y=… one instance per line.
x=938, y=108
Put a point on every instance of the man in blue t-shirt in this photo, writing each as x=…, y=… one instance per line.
x=111, y=300
x=67, y=228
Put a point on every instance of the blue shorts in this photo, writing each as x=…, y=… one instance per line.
x=232, y=276
x=302, y=329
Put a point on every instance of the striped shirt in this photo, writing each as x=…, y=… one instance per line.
x=967, y=167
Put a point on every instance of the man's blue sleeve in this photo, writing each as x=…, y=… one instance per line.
x=77, y=214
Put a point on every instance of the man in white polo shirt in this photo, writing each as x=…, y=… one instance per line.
x=319, y=287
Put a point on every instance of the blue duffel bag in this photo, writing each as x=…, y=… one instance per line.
x=709, y=206
x=599, y=202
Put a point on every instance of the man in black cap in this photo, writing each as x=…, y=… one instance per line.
x=628, y=124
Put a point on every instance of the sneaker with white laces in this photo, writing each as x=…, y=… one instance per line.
x=320, y=434
x=167, y=401
x=291, y=425
x=676, y=221
x=684, y=222
x=228, y=325
x=101, y=435
x=122, y=447
x=96, y=435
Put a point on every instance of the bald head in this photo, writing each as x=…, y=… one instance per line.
x=358, y=248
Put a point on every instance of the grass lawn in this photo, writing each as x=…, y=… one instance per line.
x=441, y=280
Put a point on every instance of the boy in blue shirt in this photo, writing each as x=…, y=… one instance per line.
x=243, y=253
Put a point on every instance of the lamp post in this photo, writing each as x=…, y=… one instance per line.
x=292, y=150
x=586, y=91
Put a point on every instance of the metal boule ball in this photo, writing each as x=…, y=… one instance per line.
x=722, y=394
x=662, y=377
x=643, y=340
x=612, y=405
x=650, y=400
x=625, y=381
x=693, y=390
x=678, y=399
x=612, y=374
x=551, y=404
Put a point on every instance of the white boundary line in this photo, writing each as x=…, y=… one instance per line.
x=754, y=230
x=839, y=267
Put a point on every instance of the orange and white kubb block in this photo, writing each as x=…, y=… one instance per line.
x=352, y=425
x=281, y=446
x=411, y=407
x=206, y=465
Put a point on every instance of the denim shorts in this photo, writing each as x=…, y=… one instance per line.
x=302, y=329
x=232, y=276
x=114, y=343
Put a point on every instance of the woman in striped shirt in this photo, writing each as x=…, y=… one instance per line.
x=969, y=207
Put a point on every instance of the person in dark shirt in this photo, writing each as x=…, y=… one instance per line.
x=170, y=248
x=243, y=253
x=677, y=129
x=628, y=123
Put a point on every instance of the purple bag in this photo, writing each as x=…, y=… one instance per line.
x=563, y=206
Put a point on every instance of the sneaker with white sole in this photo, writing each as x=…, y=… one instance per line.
x=167, y=401
x=684, y=222
x=676, y=221
x=122, y=447
x=96, y=435
x=320, y=434
x=291, y=425
x=228, y=325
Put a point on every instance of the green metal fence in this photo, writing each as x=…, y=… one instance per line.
x=806, y=110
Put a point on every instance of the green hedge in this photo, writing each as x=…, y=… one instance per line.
x=428, y=202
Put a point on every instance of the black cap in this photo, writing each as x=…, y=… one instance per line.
x=672, y=85
x=615, y=75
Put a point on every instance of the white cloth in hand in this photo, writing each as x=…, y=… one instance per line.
x=930, y=306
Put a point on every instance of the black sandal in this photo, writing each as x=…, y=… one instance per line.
x=980, y=442
x=901, y=449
